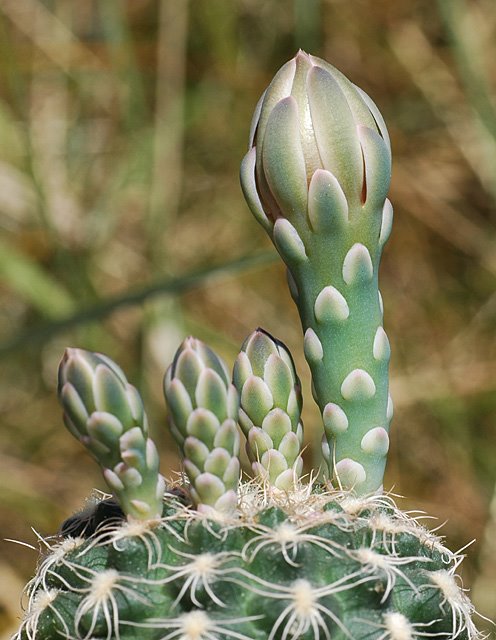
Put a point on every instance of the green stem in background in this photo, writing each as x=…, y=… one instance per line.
x=105, y=413
x=316, y=178
x=468, y=52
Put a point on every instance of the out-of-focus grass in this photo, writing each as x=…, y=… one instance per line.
x=122, y=125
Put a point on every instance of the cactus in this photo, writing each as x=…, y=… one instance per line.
x=275, y=556
x=270, y=409
x=105, y=413
x=316, y=177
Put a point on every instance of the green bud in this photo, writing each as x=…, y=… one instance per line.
x=203, y=406
x=105, y=413
x=316, y=177
x=315, y=138
x=270, y=408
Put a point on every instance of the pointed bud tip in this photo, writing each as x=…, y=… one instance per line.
x=304, y=55
x=260, y=331
x=190, y=342
x=69, y=352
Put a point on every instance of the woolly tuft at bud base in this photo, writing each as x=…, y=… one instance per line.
x=270, y=555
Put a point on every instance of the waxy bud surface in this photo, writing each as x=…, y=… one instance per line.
x=203, y=407
x=105, y=413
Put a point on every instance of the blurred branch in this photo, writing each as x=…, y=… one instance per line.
x=33, y=283
x=432, y=383
x=174, y=286
x=463, y=340
x=467, y=44
x=458, y=230
x=169, y=121
x=132, y=98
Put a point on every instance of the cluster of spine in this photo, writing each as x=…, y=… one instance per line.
x=316, y=177
x=311, y=566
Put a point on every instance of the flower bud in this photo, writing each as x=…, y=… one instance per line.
x=270, y=409
x=314, y=131
x=203, y=406
x=316, y=177
x=105, y=413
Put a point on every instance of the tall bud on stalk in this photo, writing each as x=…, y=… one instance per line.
x=270, y=409
x=105, y=413
x=316, y=177
x=203, y=407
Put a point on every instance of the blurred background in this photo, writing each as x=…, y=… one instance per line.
x=123, y=229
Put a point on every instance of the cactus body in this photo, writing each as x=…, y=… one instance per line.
x=306, y=565
x=271, y=558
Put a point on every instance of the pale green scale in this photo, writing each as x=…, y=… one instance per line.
x=345, y=344
x=316, y=178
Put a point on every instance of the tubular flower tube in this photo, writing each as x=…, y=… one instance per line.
x=105, y=413
x=316, y=177
x=203, y=407
x=270, y=409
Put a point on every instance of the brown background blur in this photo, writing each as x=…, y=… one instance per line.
x=122, y=125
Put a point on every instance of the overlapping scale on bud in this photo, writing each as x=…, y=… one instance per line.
x=105, y=413
x=203, y=407
x=318, y=147
x=270, y=409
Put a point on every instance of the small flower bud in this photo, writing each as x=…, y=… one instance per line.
x=203, y=407
x=105, y=413
x=270, y=408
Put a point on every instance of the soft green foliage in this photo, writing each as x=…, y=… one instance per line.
x=105, y=413
x=308, y=565
x=316, y=177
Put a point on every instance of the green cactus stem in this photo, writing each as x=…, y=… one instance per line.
x=105, y=413
x=316, y=177
x=204, y=407
x=305, y=565
x=270, y=409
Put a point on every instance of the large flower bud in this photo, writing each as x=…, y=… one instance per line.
x=203, y=408
x=316, y=177
x=270, y=409
x=314, y=133
x=105, y=413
